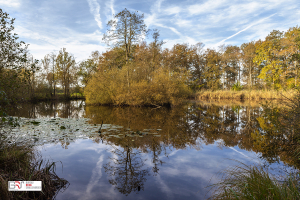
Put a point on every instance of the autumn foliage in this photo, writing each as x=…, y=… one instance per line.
x=143, y=81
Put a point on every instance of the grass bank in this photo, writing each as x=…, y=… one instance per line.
x=254, y=182
x=245, y=94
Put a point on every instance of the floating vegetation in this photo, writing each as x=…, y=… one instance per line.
x=35, y=122
x=42, y=131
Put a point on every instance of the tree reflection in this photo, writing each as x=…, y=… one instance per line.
x=271, y=131
x=126, y=169
x=63, y=109
x=252, y=128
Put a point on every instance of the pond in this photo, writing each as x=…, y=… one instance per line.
x=147, y=153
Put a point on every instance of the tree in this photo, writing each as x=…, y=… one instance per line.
x=49, y=75
x=13, y=56
x=212, y=74
x=127, y=29
x=231, y=69
x=197, y=66
x=88, y=67
x=65, y=63
x=155, y=48
x=273, y=63
x=291, y=51
x=249, y=67
x=12, y=53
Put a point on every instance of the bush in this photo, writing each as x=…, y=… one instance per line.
x=237, y=87
x=156, y=89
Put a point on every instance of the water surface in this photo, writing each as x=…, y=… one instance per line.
x=147, y=153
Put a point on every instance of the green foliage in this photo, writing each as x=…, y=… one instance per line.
x=237, y=87
x=16, y=69
x=88, y=67
x=12, y=52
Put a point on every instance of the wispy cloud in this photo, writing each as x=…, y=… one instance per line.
x=169, y=27
x=255, y=23
x=10, y=3
x=95, y=10
x=208, y=6
x=51, y=25
x=157, y=5
x=95, y=178
x=79, y=44
x=112, y=7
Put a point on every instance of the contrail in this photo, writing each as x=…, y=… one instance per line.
x=247, y=27
x=242, y=154
x=95, y=9
x=112, y=7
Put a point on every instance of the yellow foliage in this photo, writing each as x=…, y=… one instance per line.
x=118, y=87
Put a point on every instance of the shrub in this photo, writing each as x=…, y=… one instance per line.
x=158, y=88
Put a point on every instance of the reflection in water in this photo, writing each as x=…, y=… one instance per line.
x=65, y=109
x=154, y=132
x=126, y=170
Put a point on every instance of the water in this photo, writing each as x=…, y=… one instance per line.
x=148, y=153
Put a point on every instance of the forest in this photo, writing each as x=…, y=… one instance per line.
x=134, y=71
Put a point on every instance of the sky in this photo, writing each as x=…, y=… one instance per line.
x=78, y=26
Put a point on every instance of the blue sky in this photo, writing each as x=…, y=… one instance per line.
x=49, y=25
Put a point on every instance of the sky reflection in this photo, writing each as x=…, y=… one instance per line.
x=182, y=174
x=145, y=153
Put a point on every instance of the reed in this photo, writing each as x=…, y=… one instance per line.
x=245, y=94
x=254, y=182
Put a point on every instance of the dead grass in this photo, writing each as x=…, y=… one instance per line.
x=21, y=163
x=245, y=94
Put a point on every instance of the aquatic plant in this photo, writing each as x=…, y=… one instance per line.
x=254, y=182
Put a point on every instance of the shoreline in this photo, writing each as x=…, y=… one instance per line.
x=255, y=95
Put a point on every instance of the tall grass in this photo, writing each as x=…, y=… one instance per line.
x=245, y=94
x=254, y=182
x=19, y=162
x=23, y=164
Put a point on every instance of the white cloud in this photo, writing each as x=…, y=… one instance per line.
x=79, y=44
x=183, y=23
x=95, y=10
x=95, y=178
x=10, y=3
x=172, y=10
x=210, y=22
x=208, y=6
x=157, y=5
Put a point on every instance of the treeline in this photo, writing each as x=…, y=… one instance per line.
x=24, y=78
x=133, y=72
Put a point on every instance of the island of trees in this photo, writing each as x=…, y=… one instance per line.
x=134, y=72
